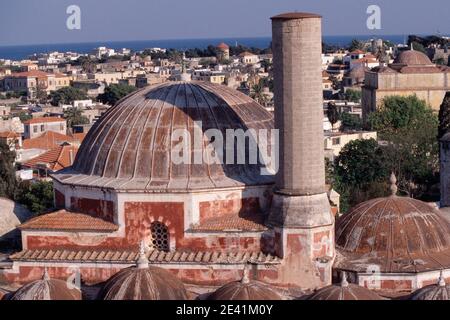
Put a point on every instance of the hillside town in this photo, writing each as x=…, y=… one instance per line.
x=49, y=102
x=76, y=141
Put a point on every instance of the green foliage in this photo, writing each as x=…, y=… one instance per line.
x=24, y=116
x=397, y=113
x=115, y=92
x=356, y=45
x=74, y=116
x=8, y=182
x=67, y=95
x=350, y=122
x=332, y=113
x=409, y=128
x=37, y=197
x=360, y=172
x=444, y=116
x=353, y=95
x=419, y=47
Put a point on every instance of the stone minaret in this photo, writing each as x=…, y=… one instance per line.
x=301, y=218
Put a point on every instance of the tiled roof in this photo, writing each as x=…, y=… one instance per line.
x=44, y=120
x=32, y=73
x=48, y=140
x=63, y=220
x=154, y=256
x=223, y=46
x=233, y=222
x=55, y=159
x=8, y=134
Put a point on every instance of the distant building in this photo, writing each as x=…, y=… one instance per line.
x=248, y=58
x=335, y=141
x=412, y=73
x=36, y=127
x=32, y=81
x=223, y=51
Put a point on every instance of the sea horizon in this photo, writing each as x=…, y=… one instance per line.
x=17, y=52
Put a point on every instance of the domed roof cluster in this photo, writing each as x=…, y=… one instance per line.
x=412, y=58
x=130, y=146
x=245, y=289
x=47, y=289
x=344, y=291
x=398, y=234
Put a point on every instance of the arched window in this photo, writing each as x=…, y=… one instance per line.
x=159, y=236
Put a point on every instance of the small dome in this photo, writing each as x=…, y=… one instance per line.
x=344, y=291
x=143, y=283
x=47, y=289
x=394, y=232
x=11, y=216
x=245, y=289
x=223, y=46
x=438, y=291
x=412, y=57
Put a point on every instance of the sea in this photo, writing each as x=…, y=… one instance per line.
x=25, y=51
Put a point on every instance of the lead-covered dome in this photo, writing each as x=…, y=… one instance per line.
x=143, y=282
x=130, y=147
x=438, y=291
x=245, y=289
x=47, y=289
x=344, y=291
x=412, y=58
x=397, y=234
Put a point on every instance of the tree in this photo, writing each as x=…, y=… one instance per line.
x=360, y=172
x=356, y=45
x=8, y=182
x=37, y=197
x=67, y=95
x=350, y=121
x=353, y=95
x=258, y=93
x=332, y=113
x=444, y=116
x=114, y=92
x=74, y=117
x=409, y=128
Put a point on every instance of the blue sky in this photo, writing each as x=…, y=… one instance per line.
x=44, y=21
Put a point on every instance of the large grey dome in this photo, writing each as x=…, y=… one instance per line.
x=130, y=147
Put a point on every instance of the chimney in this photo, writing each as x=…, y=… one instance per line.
x=300, y=210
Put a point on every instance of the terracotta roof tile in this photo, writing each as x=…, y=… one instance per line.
x=233, y=222
x=55, y=159
x=32, y=73
x=44, y=120
x=154, y=256
x=68, y=221
x=8, y=134
x=48, y=140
